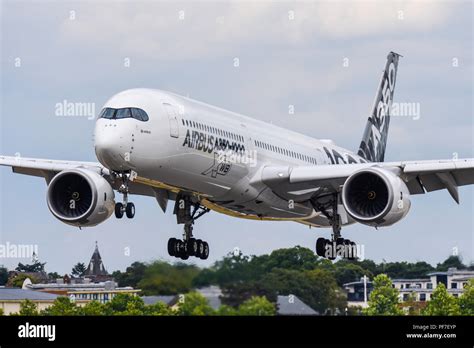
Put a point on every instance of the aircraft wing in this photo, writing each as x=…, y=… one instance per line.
x=47, y=169
x=303, y=182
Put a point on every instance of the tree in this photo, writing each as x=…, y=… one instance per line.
x=62, y=306
x=194, y=303
x=346, y=272
x=79, y=269
x=54, y=275
x=158, y=309
x=466, y=301
x=125, y=304
x=161, y=278
x=257, y=306
x=17, y=281
x=3, y=276
x=34, y=267
x=442, y=303
x=93, y=308
x=1, y=312
x=383, y=298
x=29, y=308
x=132, y=275
x=452, y=261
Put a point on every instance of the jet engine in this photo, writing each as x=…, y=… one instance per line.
x=80, y=197
x=375, y=197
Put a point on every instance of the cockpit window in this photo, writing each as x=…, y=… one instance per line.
x=139, y=114
x=108, y=113
x=115, y=114
x=123, y=113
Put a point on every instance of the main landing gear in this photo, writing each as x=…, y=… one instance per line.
x=336, y=246
x=125, y=207
x=186, y=213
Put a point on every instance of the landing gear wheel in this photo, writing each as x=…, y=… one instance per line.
x=172, y=246
x=118, y=210
x=205, y=251
x=192, y=247
x=130, y=210
x=321, y=246
x=200, y=248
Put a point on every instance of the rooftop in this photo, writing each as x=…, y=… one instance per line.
x=167, y=300
x=10, y=294
x=292, y=305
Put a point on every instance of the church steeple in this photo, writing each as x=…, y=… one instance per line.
x=96, y=266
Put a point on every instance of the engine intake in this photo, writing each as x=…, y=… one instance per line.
x=376, y=197
x=80, y=197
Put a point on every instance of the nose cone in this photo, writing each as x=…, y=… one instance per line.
x=113, y=144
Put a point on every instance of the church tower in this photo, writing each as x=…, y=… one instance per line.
x=96, y=267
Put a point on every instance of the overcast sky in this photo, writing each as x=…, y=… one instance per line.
x=288, y=53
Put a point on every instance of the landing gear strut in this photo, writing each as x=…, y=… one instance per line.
x=125, y=206
x=186, y=213
x=336, y=246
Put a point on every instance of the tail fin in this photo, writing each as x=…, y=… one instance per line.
x=374, y=141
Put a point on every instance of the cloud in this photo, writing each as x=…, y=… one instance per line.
x=177, y=31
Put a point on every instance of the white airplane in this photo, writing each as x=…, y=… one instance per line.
x=163, y=145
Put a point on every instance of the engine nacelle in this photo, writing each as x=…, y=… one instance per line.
x=80, y=197
x=376, y=197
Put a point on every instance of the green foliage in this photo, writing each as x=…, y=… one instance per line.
x=161, y=278
x=383, y=298
x=346, y=272
x=158, y=309
x=79, y=269
x=29, y=308
x=1, y=312
x=442, y=303
x=132, y=275
x=452, y=261
x=34, y=267
x=3, y=276
x=225, y=310
x=466, y=301
x=17, y=282
x=54, y=275
x=257, y=306
x=194, y=303
x=93, y=308
x=62, y=306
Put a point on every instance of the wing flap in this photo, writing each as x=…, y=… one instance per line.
x=303, y=182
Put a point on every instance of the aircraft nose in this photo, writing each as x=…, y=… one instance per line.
x=113, y=146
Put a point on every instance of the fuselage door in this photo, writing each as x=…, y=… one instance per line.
x=172, y=112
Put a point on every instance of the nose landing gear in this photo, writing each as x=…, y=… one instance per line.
x=124, y=207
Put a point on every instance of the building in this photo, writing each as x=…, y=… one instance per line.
x=292, y=305
x=358, y=293
x=87, y=291
x=422, y=289
x=169, y=300
x=415, y=289
x=96, y=270
x=11, y=299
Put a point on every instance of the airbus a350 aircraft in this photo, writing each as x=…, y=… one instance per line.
x=163, y=145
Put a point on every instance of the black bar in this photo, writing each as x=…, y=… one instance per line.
x=244, y=330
